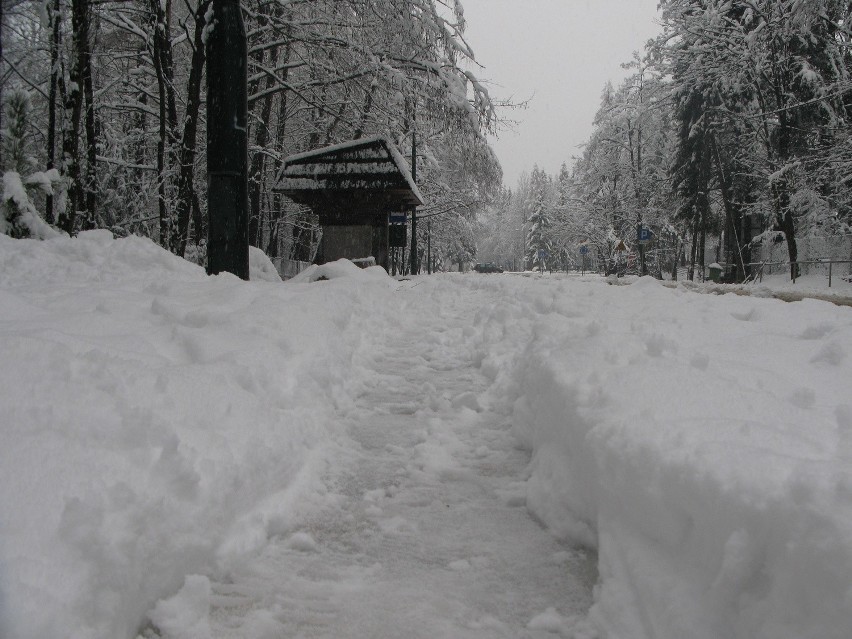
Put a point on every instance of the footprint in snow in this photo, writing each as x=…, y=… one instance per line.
x=803, y=397
x=302, y=542
x=467, y=400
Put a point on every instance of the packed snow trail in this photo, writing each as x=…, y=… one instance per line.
x=426, y=534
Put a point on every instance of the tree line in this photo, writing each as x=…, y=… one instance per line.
x=734, y=124
x=104, y=118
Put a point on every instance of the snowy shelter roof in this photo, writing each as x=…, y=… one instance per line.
x=366, y=165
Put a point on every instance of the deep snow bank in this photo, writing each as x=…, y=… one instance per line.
x=156, y=422
x=702, y=443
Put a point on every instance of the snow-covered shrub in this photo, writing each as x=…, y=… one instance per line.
x=15, y=135
x=813, y=212
x=197, y=253
x=18, y=215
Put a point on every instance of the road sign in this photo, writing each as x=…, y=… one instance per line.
x=584, y=249
x=543, y=254
x=398, y=218
x=397, y=235
x=644, y=235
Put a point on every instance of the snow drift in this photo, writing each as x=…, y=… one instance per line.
x=158, y=424
x=702, y=444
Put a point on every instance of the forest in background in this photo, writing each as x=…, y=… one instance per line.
x=104, y=113
x=731, y=135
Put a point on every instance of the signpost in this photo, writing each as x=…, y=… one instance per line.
x=429, y=246
x=542, y=256
x=584, y=250
x=620, y=248
x=227, y=142
x=644, y=235
x=396, y=236
x=397, y=230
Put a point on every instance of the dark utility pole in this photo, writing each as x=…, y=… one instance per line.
x=1, y=86
x=429, y=246
x=227, y=142
x=414, y=265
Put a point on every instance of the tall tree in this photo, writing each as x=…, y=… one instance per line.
x=776, y=71
x=540, y=221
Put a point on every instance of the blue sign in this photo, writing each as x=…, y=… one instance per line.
x=584, y=249
x=542, y=254
x=398, y=218
x=645, y=235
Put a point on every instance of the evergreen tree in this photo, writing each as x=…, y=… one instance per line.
x=565, y=236
x=540, y=221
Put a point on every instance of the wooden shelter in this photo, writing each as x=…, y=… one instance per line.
x=353, y=188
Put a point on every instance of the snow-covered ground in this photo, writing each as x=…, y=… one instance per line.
x=191, y=456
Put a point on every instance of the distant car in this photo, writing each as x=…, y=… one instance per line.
x=488, y=267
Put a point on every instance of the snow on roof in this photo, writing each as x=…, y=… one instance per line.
x=335, y=148
x=353, y=160
x=403, y=167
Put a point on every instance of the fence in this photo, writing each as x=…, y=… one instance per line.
x=811, y=249
x=804, y=268
x=831, y=256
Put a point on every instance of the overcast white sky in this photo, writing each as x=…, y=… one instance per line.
x=560, y=52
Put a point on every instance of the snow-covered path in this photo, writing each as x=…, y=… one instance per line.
x=426, y=534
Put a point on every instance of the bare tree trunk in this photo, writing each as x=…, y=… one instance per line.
x=161, y=164
x=142, y=157
x=85, y=53
x=197, y=218
x=187, y=199
x=167, y=142
x=694, y=252
x=792, y=248
x=258, y=161
x=365, y=112
x=781, y=188
x=702, y=246
x=73, y=101
x=281, y=120
x=781, y=197
x=732, y=216
x=54, y=17
x=675, y=261
x=81, y=78
x=781, y=202
x=1, y=84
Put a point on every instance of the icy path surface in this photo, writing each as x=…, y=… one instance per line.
x=428, y=534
